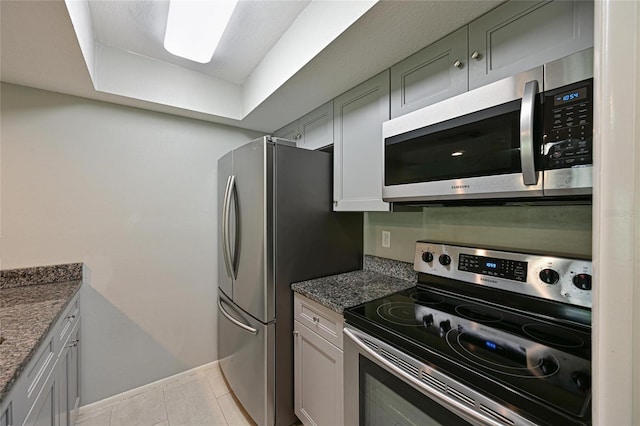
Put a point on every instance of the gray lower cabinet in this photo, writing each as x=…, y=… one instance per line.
x=435, y=73
x=520, y=35
x=43, y=412
x=68, y=380
x=313, y=131
x=47, y=391
x=318, y=363
x=358, y=146
x=5, y=417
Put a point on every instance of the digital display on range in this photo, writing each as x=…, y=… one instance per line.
x=505, y=350
x=574, y=95
x=502, y=268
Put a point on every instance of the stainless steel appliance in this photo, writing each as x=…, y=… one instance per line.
x=527, y=136
x=487, y=337
x=277, y=227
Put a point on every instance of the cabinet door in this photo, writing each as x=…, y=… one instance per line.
x=357, y=154
x=520, y=35
x=290, y=132
x=44, y=411
x=73, y=379
x=437, y=72
x=316, y=128
x=318, y=379
x=5, y=419
x=68, y=369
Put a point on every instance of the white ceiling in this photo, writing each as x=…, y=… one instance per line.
x=138, y=26
x=245, y=85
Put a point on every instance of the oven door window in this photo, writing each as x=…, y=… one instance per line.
x=387, y=400
x=483, y=143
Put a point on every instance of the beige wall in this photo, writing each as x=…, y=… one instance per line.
x=557, y=229
x=130, y=193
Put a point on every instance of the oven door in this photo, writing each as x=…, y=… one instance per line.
x=384, y=386
x=481, y=144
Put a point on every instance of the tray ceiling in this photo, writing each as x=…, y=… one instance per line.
x=277, y=60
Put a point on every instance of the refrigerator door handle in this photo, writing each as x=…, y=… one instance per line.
x=234, y=257
x=225, y=227
x=235, y=321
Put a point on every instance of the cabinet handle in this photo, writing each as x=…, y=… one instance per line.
x=295, y=333
x=458, y=64
x=476, y=55
x=73, y=343
x=71, y=317
x=316, y=319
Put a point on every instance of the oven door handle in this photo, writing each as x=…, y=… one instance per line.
x=527, y=151
x=441, y=398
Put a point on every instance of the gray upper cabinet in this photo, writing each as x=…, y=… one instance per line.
x=290, y=132
x=313, y=131
x=437, y=72
x=520, y=35
x=357, y=154
x=316, y=128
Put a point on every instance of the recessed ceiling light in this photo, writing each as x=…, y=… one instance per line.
x=457, y=153
x=194, y=27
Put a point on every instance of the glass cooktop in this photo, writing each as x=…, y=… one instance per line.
x=540, y=365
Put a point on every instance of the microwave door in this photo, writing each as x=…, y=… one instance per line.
x=477, y=145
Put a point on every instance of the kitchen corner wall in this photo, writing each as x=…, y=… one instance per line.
x=132, y=194
x=556, y=229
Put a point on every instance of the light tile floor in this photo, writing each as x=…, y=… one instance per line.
x=196, y=398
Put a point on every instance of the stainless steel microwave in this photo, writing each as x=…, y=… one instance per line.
x=523, y=137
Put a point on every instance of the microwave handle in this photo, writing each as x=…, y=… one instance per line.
x=527, y=153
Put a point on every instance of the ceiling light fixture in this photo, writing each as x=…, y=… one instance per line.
x=195, y=27
x=457, y=153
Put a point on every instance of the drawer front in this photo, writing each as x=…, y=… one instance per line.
x=67, y=322
x=323, y=321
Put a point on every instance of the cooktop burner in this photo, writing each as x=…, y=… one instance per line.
x=553, y=335
x=506, y=353
x=479, y=313
x=426, y=298
x=399, y=313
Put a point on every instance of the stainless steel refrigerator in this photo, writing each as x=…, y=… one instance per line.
x=276, y=227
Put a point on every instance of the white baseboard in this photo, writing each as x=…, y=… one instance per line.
x=115, y=399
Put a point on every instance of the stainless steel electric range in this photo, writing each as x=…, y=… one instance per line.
x=487, y=337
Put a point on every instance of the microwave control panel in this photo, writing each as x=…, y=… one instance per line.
x=568, y=126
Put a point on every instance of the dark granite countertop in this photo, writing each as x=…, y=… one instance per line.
x=380, y=277
x=28, y=310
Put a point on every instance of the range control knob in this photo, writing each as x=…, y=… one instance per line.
x=582, y=380
x=444, y=259
x=582, y=281
x=549, y=276
x=445, y=326
x=427, y=256
x=427, y=320
x=548, y=366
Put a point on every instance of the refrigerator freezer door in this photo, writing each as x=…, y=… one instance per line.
x=225, y=169
x=252, y=208
x=247, y=360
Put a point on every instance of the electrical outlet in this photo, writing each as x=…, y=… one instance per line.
x=386, y=239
